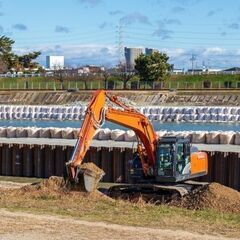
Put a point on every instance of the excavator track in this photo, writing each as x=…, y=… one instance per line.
x=157, y=193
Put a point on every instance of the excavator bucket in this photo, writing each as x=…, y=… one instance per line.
x=90, y=179
x=87, y=177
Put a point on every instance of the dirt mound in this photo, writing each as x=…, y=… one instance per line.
x=214, y=196
x=95, y=170
x=51, y=184
x=56, y=187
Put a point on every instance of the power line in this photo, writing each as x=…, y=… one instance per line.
x=171, y=40
x=151, y=28
x=194, y=38
x=79, y=36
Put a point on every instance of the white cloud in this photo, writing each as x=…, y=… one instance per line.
x=77, y=54
x=101, y=54
x=91, y=2
x=237, y=52
x=213, y=51
x=135, y=17
x=174, y=52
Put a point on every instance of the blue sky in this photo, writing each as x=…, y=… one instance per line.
x=87, y=31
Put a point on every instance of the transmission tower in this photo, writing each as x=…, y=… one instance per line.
x=192, y=59
x=121, y=58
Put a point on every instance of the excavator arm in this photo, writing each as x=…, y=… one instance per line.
x=96, y=113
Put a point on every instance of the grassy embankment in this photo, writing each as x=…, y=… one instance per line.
x=125, y=213
x=174, y=82
x=196, y=81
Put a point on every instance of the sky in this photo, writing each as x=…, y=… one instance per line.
x=95, y=31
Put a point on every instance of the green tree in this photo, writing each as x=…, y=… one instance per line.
x=3, y=66
x=7, y=58
x=26, y=61
x=153, y=67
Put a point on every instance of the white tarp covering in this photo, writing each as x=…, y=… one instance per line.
x=213, y=137
x=130, y=136
x=104, y=134
x=117, y=135
x=154, y=113
x=227, y=137
x=198, y=137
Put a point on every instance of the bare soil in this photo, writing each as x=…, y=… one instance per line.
x=54, y=187
x=49, y=210
x=18, y=225
x=214, y=196
x=95, y=170
x=11, y=185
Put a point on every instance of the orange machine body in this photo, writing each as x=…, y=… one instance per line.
x=199, y=163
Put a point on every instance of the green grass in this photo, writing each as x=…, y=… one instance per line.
x=196, y=81
x=20, y=179
x=174, y=82
x=46, y=83
x=52, y=84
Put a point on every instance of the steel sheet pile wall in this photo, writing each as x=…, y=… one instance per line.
x=224, y=168
x=44, y=161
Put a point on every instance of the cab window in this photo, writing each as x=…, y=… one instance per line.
x=182, y=157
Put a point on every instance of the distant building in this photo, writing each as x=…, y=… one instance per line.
x=95, y=69
x=178, y=71
x=214, y=70
x=130, y=55
x=149, y=51
x=195, y=70
x=55, y=62
x=204, y=70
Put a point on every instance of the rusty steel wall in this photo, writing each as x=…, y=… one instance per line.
x=44, y=161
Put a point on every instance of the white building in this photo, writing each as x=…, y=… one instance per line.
x=214, y=70
x=178, y=71
x=55, y=62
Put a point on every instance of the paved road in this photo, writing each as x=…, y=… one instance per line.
x=109, y=143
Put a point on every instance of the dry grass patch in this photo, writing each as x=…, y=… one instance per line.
x=45, y=198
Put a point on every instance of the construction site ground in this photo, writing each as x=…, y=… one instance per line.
x=43, y=212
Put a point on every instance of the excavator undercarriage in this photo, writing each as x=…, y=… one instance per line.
x=155, y=193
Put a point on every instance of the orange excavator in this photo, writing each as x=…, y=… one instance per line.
x=161, y=166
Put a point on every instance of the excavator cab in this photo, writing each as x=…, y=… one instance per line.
x=175, y=162
x=173, y=159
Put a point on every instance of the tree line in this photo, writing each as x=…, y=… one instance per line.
x=148, y=68
x=9, y=61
